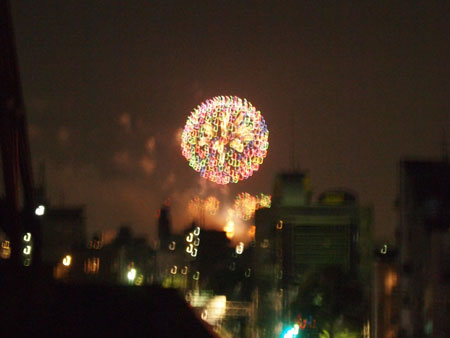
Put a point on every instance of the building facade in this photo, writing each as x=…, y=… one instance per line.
x=424, y=244
x=296, y=238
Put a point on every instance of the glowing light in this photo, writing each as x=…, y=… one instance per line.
x=292, y=332
x=204, y=314
x=40, y=210
x=174, y=269
x=189, y=248
x=189, y=237
x=215, y=310
x=131, y=274
x=197, y=231
x=172, y=245
x=67, y=260
x=384, y=249
x=196, y=275
x=92, y=265
x=139, y=280
x=248, y=273
x=194, y=252
x=240, y=248
x=27, y=237
x=197, y=241
x=225, y=139
x=229, y=229
x=184, y=270
x=252, y=231
x=5, y=252
x=27, y=250
x=280, y=225
x=390, y=281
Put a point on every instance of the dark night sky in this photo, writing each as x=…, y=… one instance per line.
x=109, y=84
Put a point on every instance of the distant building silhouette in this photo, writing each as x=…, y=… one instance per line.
x=164, y=226
x=296, y=236
x=424, y=244
x=385, y=303
x=63, y=231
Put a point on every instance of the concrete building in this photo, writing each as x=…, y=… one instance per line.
x=385, y=303
x=424, y=244
x=296, y=236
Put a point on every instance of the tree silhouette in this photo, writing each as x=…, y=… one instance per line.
x=333, y=297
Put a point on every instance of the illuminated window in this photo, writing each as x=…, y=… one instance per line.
x=189, y=237
x=95, y=244
x=5, y=251
x=189, y=248
x=240, y=248
x=251, y=232
x=67, y=260
x=5, y=245
x=172, y=246
x=27, y=250
x=229, y=229
x=265, y=243
x=131, y=275
x=194, y=252
x=390, y=281
x=139, y=280
x=40, y=210
x=92, y=265
x=280, y=225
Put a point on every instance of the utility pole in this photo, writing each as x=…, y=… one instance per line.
x=15, y=150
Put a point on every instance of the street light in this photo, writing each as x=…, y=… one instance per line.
x=40, y=210
x=67, y=260
x=131, y=274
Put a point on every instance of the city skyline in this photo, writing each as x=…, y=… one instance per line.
x=108, y=89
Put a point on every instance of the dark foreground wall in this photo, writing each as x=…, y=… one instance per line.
x=58, y=310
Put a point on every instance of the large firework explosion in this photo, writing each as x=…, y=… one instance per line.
x=225, y=139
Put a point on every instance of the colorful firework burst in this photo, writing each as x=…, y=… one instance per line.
x=225, y=139
x=245, y=204
x=197, y=206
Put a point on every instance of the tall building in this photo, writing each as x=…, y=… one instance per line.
x=63, y=231
x=164, y=226
x=424, y=244
x=385, y=292
x=296, y=237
